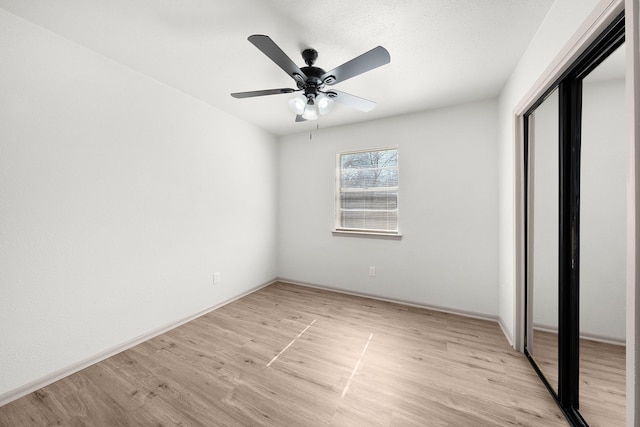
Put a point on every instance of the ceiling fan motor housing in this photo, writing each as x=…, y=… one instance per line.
x=314, y=74
x=314, y=81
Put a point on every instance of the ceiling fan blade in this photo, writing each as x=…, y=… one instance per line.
x=361, y=64
x=262, y=93
x=269, y=48
x=352, y=100
x=299, y=118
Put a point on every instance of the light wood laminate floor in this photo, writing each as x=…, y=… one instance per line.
x=294, y=356
x=602, y=377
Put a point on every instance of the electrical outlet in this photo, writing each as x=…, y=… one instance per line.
x=372, y=271
x=216, y=278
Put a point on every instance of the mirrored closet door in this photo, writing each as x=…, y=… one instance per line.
x=603, y=161
x=575, y=181
x=543, y=237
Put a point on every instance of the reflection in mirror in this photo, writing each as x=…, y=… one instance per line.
x=603, y=244
x=542, y=265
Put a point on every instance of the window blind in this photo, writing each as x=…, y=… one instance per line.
x=367, y=191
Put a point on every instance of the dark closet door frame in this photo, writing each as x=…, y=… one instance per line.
x=569, y=87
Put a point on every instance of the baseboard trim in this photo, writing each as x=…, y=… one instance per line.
x=76, y=367
x=470, y=314
x=506, y=333
x=584, y=335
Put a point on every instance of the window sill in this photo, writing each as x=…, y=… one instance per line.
x=367, y=234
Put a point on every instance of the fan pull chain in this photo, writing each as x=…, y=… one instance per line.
x=311, y=128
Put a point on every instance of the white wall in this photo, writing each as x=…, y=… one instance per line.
x=448, y=210
x=119, y=198
x=562, y=21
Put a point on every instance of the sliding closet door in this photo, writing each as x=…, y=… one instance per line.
x=603, y=158
x=575, y=236
x=543, y=191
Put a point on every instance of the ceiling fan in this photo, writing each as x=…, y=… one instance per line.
x=311, y=80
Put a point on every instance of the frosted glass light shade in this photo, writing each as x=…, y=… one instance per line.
x=310, y=112
x=324, y=103
x=298, y=103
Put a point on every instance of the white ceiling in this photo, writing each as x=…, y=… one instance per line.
x=443, y=52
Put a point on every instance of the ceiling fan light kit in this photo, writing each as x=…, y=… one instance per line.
x=324, y=103
x=297, y=103
x=310, y=112
x=311, y=80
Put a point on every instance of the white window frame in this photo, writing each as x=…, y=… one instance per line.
x=338, y=229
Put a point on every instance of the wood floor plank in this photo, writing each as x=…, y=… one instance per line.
x=420, y=368
x=602, y=377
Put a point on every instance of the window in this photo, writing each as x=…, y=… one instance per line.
x=367, y=191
